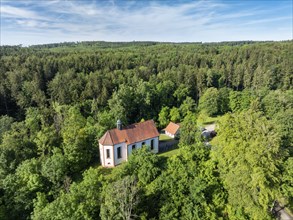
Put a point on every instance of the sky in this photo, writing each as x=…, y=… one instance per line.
x=31, y=22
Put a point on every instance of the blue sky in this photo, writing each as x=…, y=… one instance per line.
x=30, y=22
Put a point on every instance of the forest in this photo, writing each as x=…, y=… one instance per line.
x=57, y=100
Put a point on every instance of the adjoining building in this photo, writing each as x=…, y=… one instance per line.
x=116, y=145
x=172, y=130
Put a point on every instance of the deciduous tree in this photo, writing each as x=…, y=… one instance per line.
x=247, y=148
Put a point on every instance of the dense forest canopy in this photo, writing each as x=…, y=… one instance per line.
x=57, y=100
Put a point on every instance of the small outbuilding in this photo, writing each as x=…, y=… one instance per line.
x=172, y=130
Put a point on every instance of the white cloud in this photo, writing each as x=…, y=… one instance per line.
x=14, y=12
x=32, y=23
x=268, y=20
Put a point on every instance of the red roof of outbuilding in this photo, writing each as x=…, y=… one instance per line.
x=130, y=134
x=172, y=128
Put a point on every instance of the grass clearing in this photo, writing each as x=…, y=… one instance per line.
x=164, y=137
x=203, y=119
x=170, y=153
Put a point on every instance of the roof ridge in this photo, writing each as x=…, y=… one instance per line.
x=132, y=133
x=111, y=137
x=172, y=127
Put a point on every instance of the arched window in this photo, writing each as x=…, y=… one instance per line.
x=108, y=153
x=119, y=153
x=133, y=147
x=152, y=144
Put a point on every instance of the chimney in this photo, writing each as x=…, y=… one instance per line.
x=119, y=124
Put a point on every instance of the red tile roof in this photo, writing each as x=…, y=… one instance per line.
x=130, y=134
x=172, y=128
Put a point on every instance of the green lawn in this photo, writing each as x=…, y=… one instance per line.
x=170, y=153
x=164, y=137
x=205, y=120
